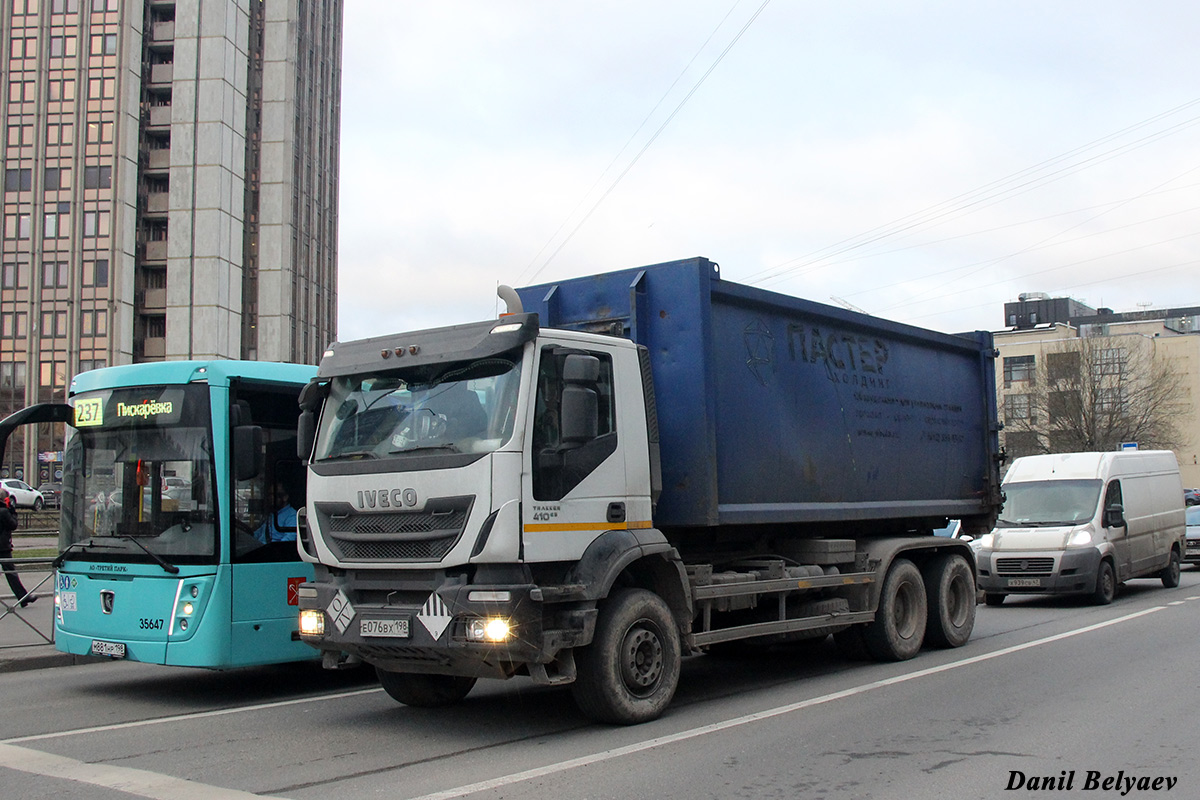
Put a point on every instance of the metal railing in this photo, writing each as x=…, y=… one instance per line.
x=13, y=615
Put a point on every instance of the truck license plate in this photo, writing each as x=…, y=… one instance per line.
x=393, y=628
x=1018, y=582
x=110, y=649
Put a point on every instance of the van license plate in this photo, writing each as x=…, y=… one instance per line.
x=392, y=628
x=1024, y=582
x=109, y=649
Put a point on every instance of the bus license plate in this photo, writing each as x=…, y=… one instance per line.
x=392, y=628
x=110, y=649
x=1018, y=582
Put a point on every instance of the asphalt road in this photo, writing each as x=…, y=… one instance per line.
x=1048, y=690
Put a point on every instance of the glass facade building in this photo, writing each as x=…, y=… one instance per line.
x=170, y=190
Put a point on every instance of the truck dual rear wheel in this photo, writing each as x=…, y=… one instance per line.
x=424, y=691
x=899, y=627
x=950, y=596
x=628, y=674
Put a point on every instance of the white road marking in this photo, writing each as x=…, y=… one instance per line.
x=682, y=736
x=185, y=717
x=137, y=782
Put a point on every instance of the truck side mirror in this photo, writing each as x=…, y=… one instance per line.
x=306, y=434
x=247, y=451
x=580, y=405
x=1114, y=516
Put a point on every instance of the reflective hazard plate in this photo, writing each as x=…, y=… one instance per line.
x=1017, y=582
x=393, y=628
x=110, y=649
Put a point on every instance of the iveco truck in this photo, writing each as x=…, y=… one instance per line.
x=634, y=467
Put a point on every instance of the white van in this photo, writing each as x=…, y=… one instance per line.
x=1084, y=523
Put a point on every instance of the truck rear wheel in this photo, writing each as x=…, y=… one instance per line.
x=424, y=691
x=950, y=596
x=628, y=674
x=899, y=627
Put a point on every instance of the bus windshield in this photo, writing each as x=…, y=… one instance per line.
x=461, y=408
x=139, y=477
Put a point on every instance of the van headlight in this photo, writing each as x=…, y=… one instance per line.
x=1081, y=538
x=985, y=542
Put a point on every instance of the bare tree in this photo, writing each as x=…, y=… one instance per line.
x=1096, y=393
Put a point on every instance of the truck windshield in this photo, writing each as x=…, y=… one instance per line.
x=466, y=407
x=138, y=477
x=1046, y=503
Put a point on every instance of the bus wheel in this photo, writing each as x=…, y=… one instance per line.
x=628, y=674
x=1170, y=574
x=1106, y=584
x=899, y=627
x=950, y=596
x=424, y=691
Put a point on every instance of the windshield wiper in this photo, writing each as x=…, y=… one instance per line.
x=56, y=563
x=162, y=562
x=350, y=455
x=452, y=448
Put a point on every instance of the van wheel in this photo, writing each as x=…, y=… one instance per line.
x=630, y=671
x=424, y=691
x=994, y=598
x=1170, y=574
x=950, y=596
x=1106, y=584
x=899, y=627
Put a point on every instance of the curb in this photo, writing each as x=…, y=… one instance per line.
x=45, y=660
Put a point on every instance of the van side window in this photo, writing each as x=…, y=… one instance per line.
x=1112, y=496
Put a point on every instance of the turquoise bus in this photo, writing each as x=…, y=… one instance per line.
x=177, y=543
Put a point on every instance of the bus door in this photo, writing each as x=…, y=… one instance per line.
x=266, y=566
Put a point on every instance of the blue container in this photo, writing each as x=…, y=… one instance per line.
x=773, y=409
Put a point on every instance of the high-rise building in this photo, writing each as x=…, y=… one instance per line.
x=170, y=189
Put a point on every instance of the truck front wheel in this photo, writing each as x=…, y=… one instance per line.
x=899, y=627
x=424, y=691
x=950, y=595
x=628, y=674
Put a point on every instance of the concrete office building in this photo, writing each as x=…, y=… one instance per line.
x=1057, y=349
x=170, y=188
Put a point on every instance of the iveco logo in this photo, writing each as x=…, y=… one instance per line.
x=387, y=498
x=107, y=597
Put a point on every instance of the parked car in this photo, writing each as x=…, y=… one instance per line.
x=1192, y=555
x=52, y=494
x=1191, y=497
x=25, y=495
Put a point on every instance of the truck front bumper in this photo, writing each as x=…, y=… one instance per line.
x=1038, y=571
x=456, y=629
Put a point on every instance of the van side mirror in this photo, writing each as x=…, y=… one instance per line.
x=247, y=451
x=1114, y=516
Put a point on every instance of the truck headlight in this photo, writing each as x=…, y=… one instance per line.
x=494, y=629
x=312, y=622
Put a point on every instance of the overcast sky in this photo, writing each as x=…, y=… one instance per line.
x=922, y=161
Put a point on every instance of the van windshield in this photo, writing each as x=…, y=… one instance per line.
x=1047, y=503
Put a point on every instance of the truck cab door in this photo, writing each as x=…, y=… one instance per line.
x=577, y=482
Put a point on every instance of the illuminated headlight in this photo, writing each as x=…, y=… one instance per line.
x=188, y=608
x=1081, y=538
x=312, y=622
x=985, y=541
x=489, y=630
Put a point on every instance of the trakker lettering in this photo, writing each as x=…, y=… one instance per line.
x=145, y=409
x=387, y=498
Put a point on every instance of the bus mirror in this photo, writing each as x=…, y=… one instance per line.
x=247, y=451
x=306, y=431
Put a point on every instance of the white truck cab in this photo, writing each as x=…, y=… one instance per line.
x=1084, y=523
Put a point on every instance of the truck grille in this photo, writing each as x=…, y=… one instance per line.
x=425, y=535
x=1025, y=566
